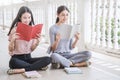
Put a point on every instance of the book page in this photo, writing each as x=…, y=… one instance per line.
x=36, y=30
x=65, y=31
x=24, y=31
x=75, y=29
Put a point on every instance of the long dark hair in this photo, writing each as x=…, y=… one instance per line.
x=60, y=9
x=21, y=11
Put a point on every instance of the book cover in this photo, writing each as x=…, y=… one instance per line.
x=65, y=31
x=31, y=74
x=73, y=70
x=68, y=31
x=27, y=32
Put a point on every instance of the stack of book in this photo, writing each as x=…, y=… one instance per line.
x=31, y=74
x=73, y=70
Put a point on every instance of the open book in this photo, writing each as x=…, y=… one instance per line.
x=75, y=29
x=27, y=32
x=73, y=70
x=67, y=31
x=31, y=74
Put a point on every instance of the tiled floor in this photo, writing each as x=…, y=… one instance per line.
x=103, y=67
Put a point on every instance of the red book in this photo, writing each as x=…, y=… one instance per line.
x=28, y=32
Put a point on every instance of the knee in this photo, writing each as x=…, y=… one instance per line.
x=88, y=54
x=48, y=60
x=54, y=55
x=55, y=58
x=12, y=62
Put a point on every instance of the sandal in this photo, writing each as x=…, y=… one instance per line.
x=44, y=68
x=55, y=65
x=10, y=71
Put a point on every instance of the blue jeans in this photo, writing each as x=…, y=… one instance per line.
x=25, y=61
x=65, y=59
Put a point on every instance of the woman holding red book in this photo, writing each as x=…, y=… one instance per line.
x=20, y=50
x=61, y=48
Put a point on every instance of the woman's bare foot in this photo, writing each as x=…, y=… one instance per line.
x=15, y=71
x=82, y=64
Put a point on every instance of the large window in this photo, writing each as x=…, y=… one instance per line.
x=105, y=24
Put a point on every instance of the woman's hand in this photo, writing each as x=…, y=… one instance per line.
x=15, y=36
x=77, y=36
x=38, y=36
x=55, y=44
x=11, y=46
x=36, y=42
x=58, y=37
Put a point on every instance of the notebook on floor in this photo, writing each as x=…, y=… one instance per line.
x=32, y=74
x=73, y=70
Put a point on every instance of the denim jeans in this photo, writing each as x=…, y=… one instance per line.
x=25, y=61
